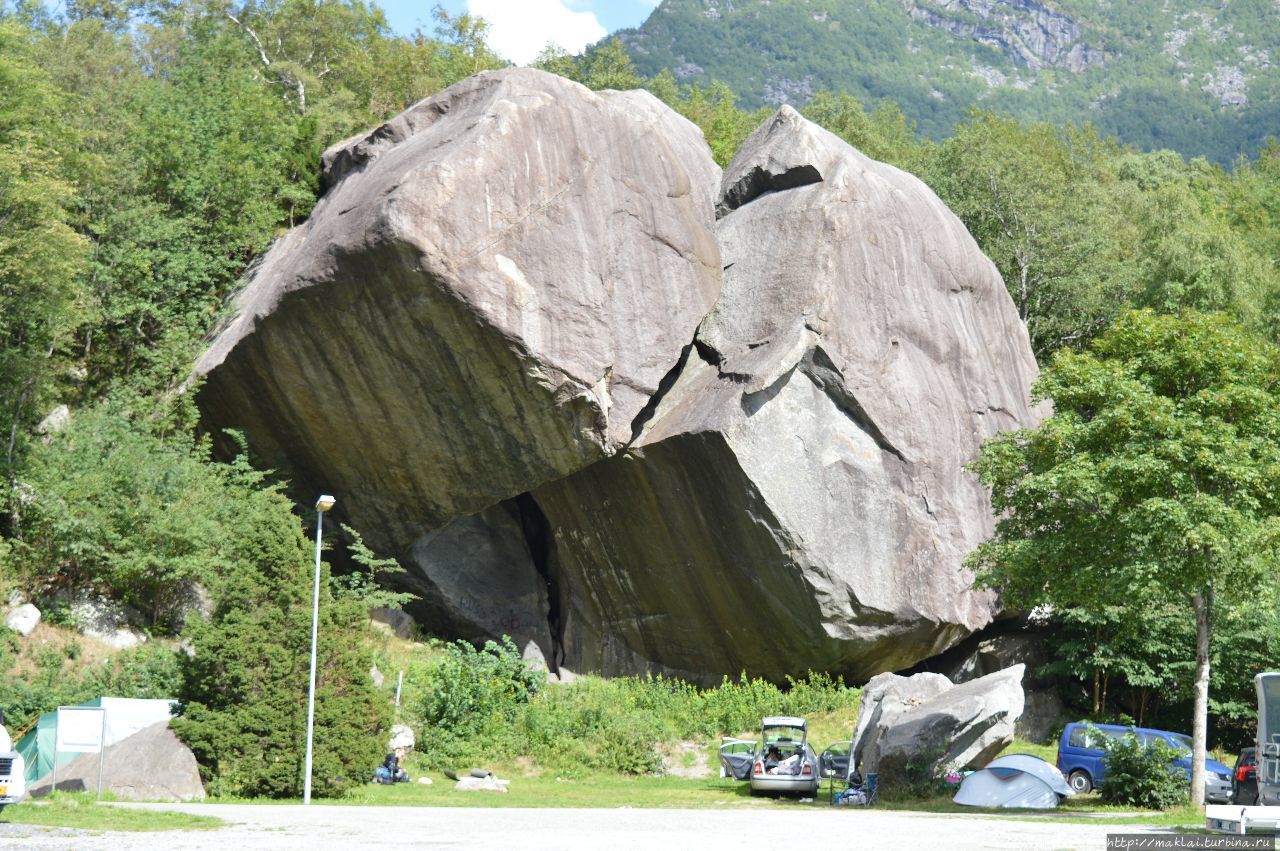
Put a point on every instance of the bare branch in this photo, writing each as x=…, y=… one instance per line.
x=253, y=35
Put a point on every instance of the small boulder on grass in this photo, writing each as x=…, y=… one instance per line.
x=481, y=784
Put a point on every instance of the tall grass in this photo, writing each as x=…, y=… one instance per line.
x=483, y=705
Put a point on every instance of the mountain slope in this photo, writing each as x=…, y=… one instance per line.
x=1201, y=78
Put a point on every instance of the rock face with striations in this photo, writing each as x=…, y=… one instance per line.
x=484, y=299
x=799, y=498
x=588, y=411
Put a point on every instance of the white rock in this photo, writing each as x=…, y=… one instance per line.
x=56, y=420
x=23, y=619
x=106, y=620
x=481, y=784
x=376, y=676
x=425, y=781
x=401, y=737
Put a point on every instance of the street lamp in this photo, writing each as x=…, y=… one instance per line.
x=323, y=504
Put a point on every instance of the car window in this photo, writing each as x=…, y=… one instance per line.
x=1083, y=737
x=1181, y=742
x=783, y=735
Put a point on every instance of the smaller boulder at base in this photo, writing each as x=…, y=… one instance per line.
x=401, y=737
x=481, y=784
x=150, y=765
x=963, y=726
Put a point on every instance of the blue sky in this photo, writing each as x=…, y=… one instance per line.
x=521, y=28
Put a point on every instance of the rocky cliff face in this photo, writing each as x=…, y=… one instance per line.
x=597, y=398
x=1032, y=34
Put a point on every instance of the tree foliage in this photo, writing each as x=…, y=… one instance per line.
x=1156, y=481
x=41, y=255
x=244, y=688
x=1158, y=473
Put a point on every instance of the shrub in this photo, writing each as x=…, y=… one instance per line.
x=244, y=691
x=148, y=670
x=1142, y=775
x=472, y=690
x=479, y=705
x=925, y=775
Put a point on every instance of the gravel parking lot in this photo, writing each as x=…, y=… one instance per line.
x=325, y=826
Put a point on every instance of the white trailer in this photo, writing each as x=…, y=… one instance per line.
x=1265, y=817
x=13, y=784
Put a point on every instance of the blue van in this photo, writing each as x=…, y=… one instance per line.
x=1080, y=757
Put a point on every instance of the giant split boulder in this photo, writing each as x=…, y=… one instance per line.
x=799, y=496
x=597, y=397
x=485, y=299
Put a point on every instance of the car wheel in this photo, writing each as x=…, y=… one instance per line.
x=1080, y=782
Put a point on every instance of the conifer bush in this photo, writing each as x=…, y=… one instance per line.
x=244, y=689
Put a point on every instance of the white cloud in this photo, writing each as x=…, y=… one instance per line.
x=519, y=29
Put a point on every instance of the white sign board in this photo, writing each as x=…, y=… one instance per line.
x=80, y=729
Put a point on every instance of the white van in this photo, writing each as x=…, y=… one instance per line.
x=13, y=784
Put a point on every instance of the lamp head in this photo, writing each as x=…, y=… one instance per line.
x=325, y=502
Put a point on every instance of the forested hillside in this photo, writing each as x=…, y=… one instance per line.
x=149, y=153
x=1199, y=78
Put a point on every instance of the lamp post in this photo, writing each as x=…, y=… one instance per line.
x=323, y=504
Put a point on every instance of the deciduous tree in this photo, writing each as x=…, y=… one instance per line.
x=1157, y=478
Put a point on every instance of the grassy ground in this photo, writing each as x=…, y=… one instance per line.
x=675, y=792
x=547, y=791
x=81, y=810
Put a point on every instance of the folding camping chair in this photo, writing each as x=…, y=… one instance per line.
x=864, y=794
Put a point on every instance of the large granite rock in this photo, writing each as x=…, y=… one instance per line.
x=798, y=497
x=505, y=341
x=485, y=298
x=884, y=698
x=914, y=729
x=150, y=765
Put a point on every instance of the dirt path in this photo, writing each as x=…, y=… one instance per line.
x=323, y=827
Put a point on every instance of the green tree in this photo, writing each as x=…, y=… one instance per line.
x=110, y=504
x=1190, y=253
x=244, y=688
x=41, y=256
x=1135, y=646
x=1042, y=206
x=461, y=46
x=1157, y=478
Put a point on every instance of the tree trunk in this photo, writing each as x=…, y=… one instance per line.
x=1202, y=602
x=1097, y=690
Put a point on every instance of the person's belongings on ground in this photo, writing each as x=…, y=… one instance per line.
x=390, y=771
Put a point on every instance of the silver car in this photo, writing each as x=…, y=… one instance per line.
x=782, y=762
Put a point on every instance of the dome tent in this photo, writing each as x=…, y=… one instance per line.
x=1015, y=781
